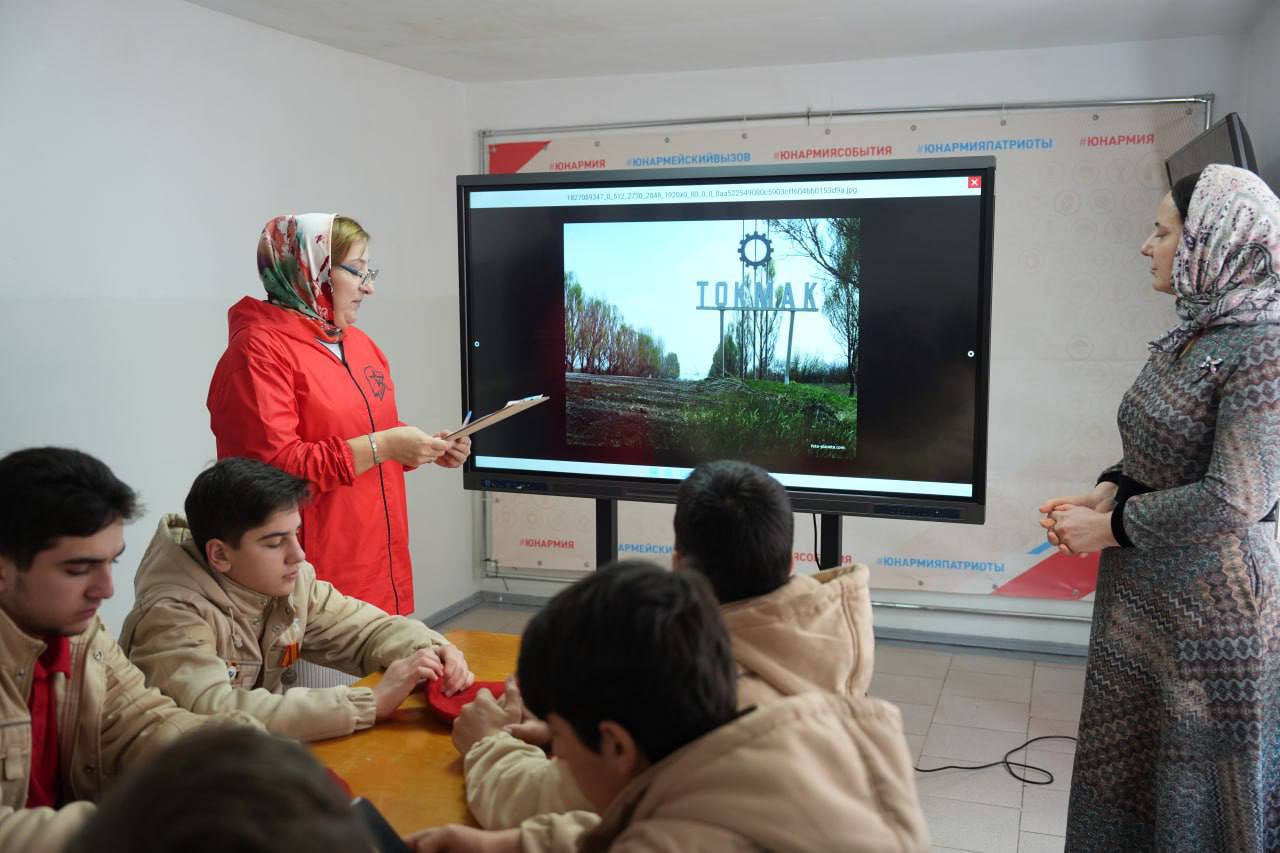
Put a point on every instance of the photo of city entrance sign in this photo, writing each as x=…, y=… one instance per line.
x=713, y=336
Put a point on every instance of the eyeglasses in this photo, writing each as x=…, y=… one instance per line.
x=365, y=277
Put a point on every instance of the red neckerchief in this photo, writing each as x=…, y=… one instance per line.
x=45, y=788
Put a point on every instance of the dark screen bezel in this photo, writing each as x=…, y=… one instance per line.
x=970, y=510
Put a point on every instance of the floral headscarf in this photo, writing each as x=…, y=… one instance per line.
x=1226, y=270
x=295, y=268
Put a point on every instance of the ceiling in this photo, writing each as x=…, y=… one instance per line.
x=475, y=41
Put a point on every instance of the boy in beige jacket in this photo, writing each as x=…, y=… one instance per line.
x=632, y=671
x=226, y=604
x=790, y=634
x=74, y=713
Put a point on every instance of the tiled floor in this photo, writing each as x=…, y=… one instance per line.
x=960, y=707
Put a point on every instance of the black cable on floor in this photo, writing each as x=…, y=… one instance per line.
x=1007, y=764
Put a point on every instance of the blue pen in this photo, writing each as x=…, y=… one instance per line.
x=467, y=419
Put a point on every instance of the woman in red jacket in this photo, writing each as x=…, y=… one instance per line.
x=301, y=388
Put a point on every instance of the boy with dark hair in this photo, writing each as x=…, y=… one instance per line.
x=631, y=669
x=790, y=634
x=226, y=604
x=219, y=790
x=670, y=636
x=733, y=523
x=73, y=711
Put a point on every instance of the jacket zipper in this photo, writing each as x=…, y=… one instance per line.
x=67, y=750
x=386, y=513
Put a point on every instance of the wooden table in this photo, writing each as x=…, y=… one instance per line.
x=407, y=765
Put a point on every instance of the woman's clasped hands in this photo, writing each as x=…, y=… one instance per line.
x=1080, y=524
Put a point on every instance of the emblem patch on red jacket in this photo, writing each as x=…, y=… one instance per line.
x=377, y=381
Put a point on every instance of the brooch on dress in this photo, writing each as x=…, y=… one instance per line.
x=1210, y=364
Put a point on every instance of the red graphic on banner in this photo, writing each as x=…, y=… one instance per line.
x=810, y=557
x=506, y=158
x=1121, y=139
x=975, y=182
x=1059, y=576
x=529, y=542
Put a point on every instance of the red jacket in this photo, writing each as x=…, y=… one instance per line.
x=279, y=395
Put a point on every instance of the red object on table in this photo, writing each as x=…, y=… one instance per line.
x=448, y=707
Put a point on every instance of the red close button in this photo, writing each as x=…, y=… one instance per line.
x=975, y=182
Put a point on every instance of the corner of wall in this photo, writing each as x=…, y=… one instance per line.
x=1261, y=86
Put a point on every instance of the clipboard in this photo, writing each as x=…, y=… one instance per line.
x=513, y=407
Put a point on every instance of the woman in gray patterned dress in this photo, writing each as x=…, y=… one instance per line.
x=1179, y=744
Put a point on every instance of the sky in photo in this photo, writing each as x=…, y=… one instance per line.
x=650, y=272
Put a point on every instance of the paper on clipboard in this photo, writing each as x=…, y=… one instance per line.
x=513, y=407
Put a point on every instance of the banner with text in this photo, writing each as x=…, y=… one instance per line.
x=1072, y=313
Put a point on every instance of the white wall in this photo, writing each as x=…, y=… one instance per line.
x=1261, y=109
x=1133, y=69
x=144, y=144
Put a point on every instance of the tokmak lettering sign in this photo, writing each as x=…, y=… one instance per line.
x=761, y=295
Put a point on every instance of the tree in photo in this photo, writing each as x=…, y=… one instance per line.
x=816, y=370
x=756, y=332
x=745, y=341
x=671, y=366
x=765, y=325
x=648, y=355
x=596, y=340
x=574, y=307
x=727, y=359
x=597, y=322
x=835, y=245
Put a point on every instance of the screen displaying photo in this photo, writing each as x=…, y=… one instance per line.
x=833, y=329
x=738, y=336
